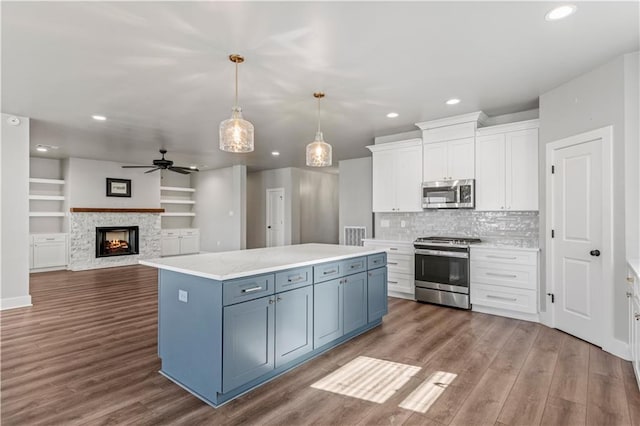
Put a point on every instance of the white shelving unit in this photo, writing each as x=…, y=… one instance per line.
x=177, y=189
x=43, y=195
x=178, y=203
x=47, y=181
x=47, y=245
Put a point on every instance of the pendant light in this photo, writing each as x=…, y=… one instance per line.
x=236, y=133
x=318, y=151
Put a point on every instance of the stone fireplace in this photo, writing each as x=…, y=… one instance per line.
x=116, y=241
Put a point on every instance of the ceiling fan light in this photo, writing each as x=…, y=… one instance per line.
x=319, y=153
x=236, y=133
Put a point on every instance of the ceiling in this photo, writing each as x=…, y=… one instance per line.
x=160, y=70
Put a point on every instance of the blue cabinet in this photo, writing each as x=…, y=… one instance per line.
x=377, y=294
x=354, y=288
x=327, y=312
x=294, y=324
x=248, y=341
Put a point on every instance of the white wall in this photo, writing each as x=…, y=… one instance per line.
x=632, y=153
x=355, y=195
x=86, y=185
x=591, y=101
x=14, y=214
x=220, y=208
x=318, y=207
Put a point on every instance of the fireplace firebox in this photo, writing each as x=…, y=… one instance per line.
x=116, y=241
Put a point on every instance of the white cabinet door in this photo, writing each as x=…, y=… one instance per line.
x=461, y=159
x=170, y=245
x=384, y=194
x=490, y=172
x=49, y=254
x=434, y=161
x=189, y=244
x=522, y=170
x=635, y=343
x=408, y=183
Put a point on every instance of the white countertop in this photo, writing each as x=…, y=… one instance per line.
x=504, y=247
x=243, y=263
x=635, y=265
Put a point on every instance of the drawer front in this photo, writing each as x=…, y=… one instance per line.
x=189, y=232
x=512, y=299
x=518, y=276
x=401, y=263
x=512, y=257
x=399, y=247
x=402, y=283
x=170, y=233
x=49, y=238
x=376, y=260
x=353, y=266
x=243, y=289
x=327, y=271
x=294, y=278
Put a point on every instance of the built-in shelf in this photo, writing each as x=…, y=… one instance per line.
x=177, y=202
x=46, y=214
x=47, y=181
x=178, y=214
x=47, y=197
x=112, y=210
x=177, y=188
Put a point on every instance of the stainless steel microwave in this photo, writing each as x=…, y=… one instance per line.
x=449, y=194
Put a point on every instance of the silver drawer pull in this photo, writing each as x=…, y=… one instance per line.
x=392, y=263
x=510, y=299
x=50, y=239
x=357, y=265
x=333, y=271
x=501, y=275
x=251, y=290
x=392, y=282
x=492, y=256
x=392, y=248
x=295, y=279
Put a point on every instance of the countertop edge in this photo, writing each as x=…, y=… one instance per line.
x=479, y=245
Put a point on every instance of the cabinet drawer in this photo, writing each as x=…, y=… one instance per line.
x=512, y=257
x=353, y=266
x=400, y=263
x=403, y=283
x=518, y=276
x=170, y=233
x=376, y=260
x=327, y=271
x=49, y=238
x=294, y=278
x=190, y=232
x=512, y=299
x=243, y=289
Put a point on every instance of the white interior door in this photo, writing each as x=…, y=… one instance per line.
x=577, y=222
x=275, y=217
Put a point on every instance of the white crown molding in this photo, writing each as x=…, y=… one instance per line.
x=478, y=117
x=395, y=145
x=508, y=127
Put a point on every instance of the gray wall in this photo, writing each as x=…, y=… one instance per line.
x=590, y=101
x=632, y=153
x=318, y=207
x=14, y=212
x=86, y=185
x=220, y=208
x=355, y=195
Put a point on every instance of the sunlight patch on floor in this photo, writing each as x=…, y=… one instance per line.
x=367, y=378
x=423, y=397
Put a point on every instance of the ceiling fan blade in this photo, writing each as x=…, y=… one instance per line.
x=152, y=170
x=178, y=170
x=136, y=167
x=188, y=169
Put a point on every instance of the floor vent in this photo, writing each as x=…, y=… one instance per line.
x=353, y=235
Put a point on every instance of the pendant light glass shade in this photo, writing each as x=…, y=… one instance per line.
x=236, y=133
x=319, y=153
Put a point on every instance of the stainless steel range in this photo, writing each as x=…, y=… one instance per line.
x=442, y=270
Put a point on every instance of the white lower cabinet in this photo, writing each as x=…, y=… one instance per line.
x=180, y=241
x=633, y=293
x=48, y=251
x=400, y=266
x=505, y=282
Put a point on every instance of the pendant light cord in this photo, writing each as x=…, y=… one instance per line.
x=318, y=115
x=236, y=84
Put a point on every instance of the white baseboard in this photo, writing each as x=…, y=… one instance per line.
x=15, y=302
x=53, y=268
x=618, y=348
x=506, y=313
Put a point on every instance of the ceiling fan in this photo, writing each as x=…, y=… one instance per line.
x=163, y=164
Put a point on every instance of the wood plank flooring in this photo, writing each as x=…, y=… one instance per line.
x=85, y=353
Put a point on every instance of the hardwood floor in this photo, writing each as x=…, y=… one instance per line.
x=85, y=353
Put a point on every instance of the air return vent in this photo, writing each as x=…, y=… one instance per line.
x=353, y=235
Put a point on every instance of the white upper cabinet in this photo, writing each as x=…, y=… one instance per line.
x=448, y=160
x=434, y=161
x=507, y=167
x=397, y=176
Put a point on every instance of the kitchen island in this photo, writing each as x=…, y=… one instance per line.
x=228, y=322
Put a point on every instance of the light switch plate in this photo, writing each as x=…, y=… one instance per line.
x=403, y=224
x=384, y=223
x=183, y=296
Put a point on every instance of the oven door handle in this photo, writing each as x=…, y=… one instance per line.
x=443, y=253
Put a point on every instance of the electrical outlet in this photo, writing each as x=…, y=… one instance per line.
x=384, y=223
x=183, y=296
x=403, y=224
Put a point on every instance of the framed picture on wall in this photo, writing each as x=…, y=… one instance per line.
x=118, y=187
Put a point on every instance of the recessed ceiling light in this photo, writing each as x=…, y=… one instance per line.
x=41, y=148
x=560, y=12
x=392, y=115
x=453, y=101
x=275, y=153
x=99, y=117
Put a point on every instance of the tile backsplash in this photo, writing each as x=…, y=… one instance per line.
x=519, y=229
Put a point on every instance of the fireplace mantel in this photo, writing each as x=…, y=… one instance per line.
x=112, y=210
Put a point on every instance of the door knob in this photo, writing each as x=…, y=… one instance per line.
x=594, y=253
x=269, y=227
